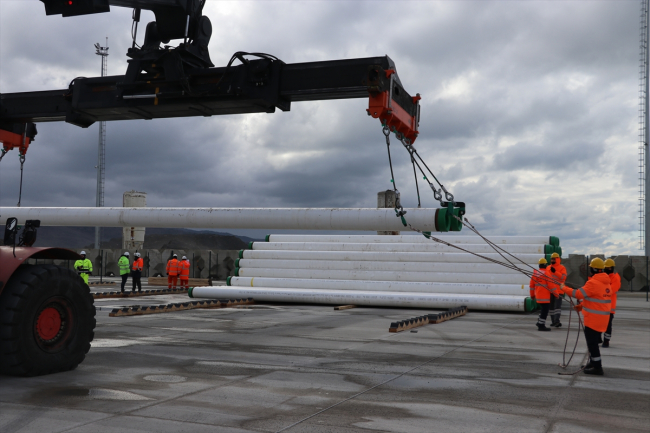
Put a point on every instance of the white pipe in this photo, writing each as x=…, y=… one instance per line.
x=429, y=246
x=434, y=277
x=381, y=256
x=411, y=238
x=484, y=268
x=355, y=297
x=242, y=218
x=383, y=286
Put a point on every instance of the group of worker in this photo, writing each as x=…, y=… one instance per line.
x=178, y=269
x=131, y=269
x=596, y=301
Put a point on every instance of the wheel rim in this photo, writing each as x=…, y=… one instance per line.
x=53, y=325
x=48, y=324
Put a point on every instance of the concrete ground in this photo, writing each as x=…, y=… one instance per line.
x=300, y=368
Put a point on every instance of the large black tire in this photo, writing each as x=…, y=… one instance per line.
x=47, y=321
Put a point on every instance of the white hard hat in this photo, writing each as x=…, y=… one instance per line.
x=126, y=253
x=175, y=255
x=184, y=258
x=137, y=254
x=83, y=253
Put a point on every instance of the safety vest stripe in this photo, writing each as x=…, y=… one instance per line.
x=613, y=310
x=607, y=336
x=598, y=301
x=596, y=359
x=604, y=313
x=543, y=300
x=582, y=290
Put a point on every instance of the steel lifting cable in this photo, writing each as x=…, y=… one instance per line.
x=510, y=265
x=20, y=193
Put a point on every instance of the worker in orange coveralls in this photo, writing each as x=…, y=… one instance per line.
x=615, y=282
x=596, y=308
x=172, y=272
x=539, y=291
x=136, y=272
x=184, y=267
x=558, y=273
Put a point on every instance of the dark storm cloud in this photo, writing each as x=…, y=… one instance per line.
x=528, y=107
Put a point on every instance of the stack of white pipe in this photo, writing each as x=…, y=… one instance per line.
x=399, y=271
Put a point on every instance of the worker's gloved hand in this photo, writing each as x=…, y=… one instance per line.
x=578, y=308
x=552, y=269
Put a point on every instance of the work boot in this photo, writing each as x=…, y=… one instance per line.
x=543, y=328
x=557, y=325
x=589, y=365
x=605, y=343
x=595, y=370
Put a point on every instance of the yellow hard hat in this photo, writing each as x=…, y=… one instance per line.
x=555, y=256
x=542, y=261
x=609, y=263
x=597, y=263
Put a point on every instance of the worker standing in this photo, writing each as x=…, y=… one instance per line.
x=184, y=272
x=136, y=272
x=559, y=275
x=596, y=308
x=84, y=267
x=615, y=283
x=539, y=291
x=123, y=264
x=172, y=272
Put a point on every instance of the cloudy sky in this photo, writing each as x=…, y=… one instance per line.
x=529, y=114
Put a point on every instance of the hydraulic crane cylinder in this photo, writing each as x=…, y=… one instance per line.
x=225, y=218
x=357, y=297
x=434, y=277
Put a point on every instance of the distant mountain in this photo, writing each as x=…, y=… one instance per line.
x=155, y=238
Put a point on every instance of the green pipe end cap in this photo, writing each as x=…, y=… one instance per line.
x=228, y=280
x=241, y=254
x=236, y=272
x=549, y=249
x=456, y=225
x=189, y=292
x=237, y=262
x=266, y=239
x=443, y=221
x=250, y=245
x=554, y=240
x=530, y=305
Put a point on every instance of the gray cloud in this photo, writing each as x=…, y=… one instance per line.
x=528, y=114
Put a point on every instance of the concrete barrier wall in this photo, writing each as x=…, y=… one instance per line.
x=219, y=264
x=215, y=264
x=577, y=264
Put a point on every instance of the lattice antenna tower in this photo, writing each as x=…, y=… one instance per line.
x=101, y=149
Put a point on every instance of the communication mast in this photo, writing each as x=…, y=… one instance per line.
x=101, y=150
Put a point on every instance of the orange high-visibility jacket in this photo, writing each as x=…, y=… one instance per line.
x=560, y=270
x=172, y=267
x=615, y=283
x=597, y=303
x=138, y=264
x=539, y=287
x=184, y=267
x=552, y=280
